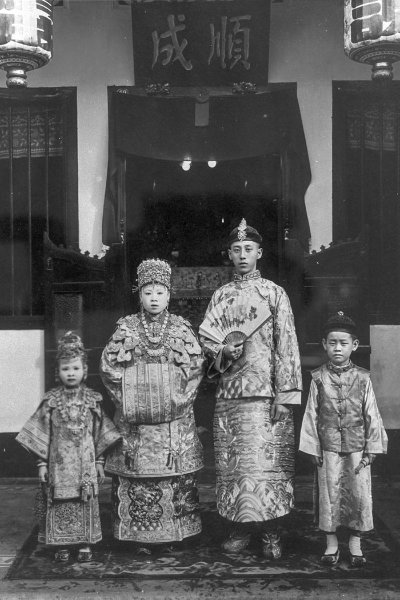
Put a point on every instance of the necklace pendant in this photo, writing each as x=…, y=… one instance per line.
x=73, y=412
x=155, y=351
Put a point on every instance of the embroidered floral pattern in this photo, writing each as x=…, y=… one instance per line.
x=186, y=496
x=154, y=394
x=69, y=430
x=145, y=510
x=155, y=510
x=154, y=399
x=270, y=363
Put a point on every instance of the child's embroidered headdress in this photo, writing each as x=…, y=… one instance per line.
x=70, y=346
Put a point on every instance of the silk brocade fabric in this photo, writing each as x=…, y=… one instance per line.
x=156, y=510
x=270, y=363
x=254, y=460
x=153, y=386
x=254, y=456
x=341, y=423
x=68, y=431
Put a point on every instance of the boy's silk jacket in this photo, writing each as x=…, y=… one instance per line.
x=342, y=414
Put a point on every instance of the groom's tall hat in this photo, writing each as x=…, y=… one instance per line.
x=244, y=232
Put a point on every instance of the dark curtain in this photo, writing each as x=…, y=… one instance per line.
x=371, y=173
x=42, y=126
x=32, y=175
x=372, y=127
x=370, y=199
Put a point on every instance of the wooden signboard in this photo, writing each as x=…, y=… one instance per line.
x=200, y=42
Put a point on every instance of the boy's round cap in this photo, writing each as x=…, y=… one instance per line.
x=340, y=322
x=244, y=232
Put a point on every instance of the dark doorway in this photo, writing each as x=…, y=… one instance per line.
x=184, y=216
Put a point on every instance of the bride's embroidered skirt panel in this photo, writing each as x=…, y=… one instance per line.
x=155, y=510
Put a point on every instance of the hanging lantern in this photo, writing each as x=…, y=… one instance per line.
x=372, y=34
x=26, y=37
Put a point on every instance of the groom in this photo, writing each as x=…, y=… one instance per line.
x=259, y=381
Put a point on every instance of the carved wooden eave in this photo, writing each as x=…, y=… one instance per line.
x=339, y=258
x=68, y=259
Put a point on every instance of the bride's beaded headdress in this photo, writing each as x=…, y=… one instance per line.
x=154, y=270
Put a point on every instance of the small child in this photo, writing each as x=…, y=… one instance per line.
x=69, y=433
x=343, y=431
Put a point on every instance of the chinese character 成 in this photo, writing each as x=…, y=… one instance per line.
x=173, y=50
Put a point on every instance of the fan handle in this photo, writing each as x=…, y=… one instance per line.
x=235, y=337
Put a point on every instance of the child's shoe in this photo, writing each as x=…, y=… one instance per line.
x=330, y=559
x=357, y=560
x=85, y=554
x=331, y=556
x=61, y=555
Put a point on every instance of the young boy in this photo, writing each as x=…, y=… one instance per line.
x=343, y=431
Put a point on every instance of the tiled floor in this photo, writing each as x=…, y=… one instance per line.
x=16, y=521
x=16, y=518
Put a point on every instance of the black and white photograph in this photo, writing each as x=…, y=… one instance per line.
x=200, y=299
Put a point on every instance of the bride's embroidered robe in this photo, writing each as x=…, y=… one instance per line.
x=153, y=385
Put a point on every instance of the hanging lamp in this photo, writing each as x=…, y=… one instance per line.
x=26, y=38
x=372, y=34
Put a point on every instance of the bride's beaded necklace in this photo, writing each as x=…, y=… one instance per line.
x=156, y=343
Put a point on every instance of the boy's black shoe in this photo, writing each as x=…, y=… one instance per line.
x=330, y=559
x=357, y=561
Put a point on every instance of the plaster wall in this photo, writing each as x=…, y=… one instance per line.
x=21, y=376
x=385, y=356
